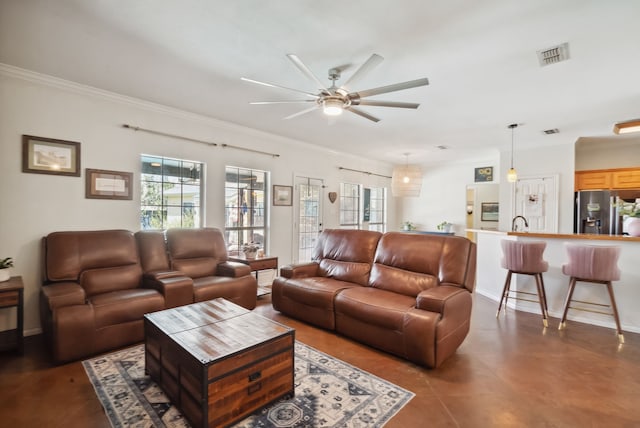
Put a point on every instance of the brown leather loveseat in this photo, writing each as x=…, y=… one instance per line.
x=99, y=284
x=407, y=294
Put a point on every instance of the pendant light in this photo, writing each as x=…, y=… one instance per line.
x=406, y=180
x=512, y=174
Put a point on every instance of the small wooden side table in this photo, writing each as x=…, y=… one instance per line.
x=12, y=296
x=258, y=264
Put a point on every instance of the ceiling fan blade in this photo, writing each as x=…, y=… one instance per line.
x=390, y=88
x=363, y=114
x=365, y=68
x=281, y=102
x=271, y=85
x=384, y=103
x=300, y=113
x=307, y=72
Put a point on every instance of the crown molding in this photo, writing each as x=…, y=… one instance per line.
x=82, y=89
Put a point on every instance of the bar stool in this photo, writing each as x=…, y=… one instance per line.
x=524, y=258
x=595, y=264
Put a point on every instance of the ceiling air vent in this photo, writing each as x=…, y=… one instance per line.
x=554, y=54
x=551, y=131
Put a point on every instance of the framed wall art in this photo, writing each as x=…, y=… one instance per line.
x=483, y=174
x=50, y=156
x=489, y=211
x=103, y=184
x=282, y=195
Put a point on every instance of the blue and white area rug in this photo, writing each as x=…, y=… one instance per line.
x=328, y=393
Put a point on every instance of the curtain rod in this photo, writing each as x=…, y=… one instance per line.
x=194, y=140
x=363, y=172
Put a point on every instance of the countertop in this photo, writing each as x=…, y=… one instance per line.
x=587, y=236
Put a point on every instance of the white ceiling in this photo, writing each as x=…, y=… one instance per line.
x=479, y=55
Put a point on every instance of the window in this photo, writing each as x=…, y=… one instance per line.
x=171, y=193
x=362, y=207
x=349, y=206
x=245, y=207
x=378, y=209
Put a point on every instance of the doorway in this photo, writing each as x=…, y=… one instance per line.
x=308, y=214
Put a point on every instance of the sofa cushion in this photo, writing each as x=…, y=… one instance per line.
x=197, y=267
x=318, y=291
x=153, y=250
x=118, y=307
x=401, y=281
x=196, y=243
x=429, y=260
x=346, y=255
x=373, y=306
x=96, y=281
x=68, y=254
x=242, y=291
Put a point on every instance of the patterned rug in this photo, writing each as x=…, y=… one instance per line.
x=328, y=393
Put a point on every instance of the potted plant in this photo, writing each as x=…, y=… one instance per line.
x=250, y=250
x=445, y=227
x=408, y=226
x=5, y=264
x=632, y=211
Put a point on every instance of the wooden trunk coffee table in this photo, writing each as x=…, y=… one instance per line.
x=218, y=362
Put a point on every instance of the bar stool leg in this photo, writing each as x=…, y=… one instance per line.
x=505, y=293
x=572, y=286
x=543, y=306
x=615, y=311
x=544, y=294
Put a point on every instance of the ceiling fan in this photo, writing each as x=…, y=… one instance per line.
x=335, y=99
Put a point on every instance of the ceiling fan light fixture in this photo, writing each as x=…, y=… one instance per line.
x=332, y=106
x=627, y=127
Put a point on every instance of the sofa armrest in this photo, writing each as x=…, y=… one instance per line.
x=176, y=288
x=233, y=269
x=61, y=294
x=443, y=298
x=300, y=270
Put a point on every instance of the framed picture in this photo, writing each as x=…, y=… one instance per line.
x=483, y=174
x=282, y=195
x=489, y=211
x=49, y=156
x=102, y=184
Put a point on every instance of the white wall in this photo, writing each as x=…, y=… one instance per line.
x=541, y=161
x=443, y=196
x=34, y=205
x=603, y=153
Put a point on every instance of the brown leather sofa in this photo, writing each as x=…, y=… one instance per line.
x=99, y=284
x=406, y=294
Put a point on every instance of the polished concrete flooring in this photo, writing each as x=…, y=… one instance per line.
x=510, y=372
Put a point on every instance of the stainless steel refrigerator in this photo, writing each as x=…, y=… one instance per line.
x=596, y=211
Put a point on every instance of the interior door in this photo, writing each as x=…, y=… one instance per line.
x=536, y=199
x=308, y=205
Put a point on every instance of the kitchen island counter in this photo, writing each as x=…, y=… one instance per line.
x=490, y=276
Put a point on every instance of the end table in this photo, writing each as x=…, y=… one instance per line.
x=12, y=296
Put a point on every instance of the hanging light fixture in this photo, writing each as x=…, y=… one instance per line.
x=512, y=174
x=406, y=180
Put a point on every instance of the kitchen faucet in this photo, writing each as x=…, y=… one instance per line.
x=514, y=228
